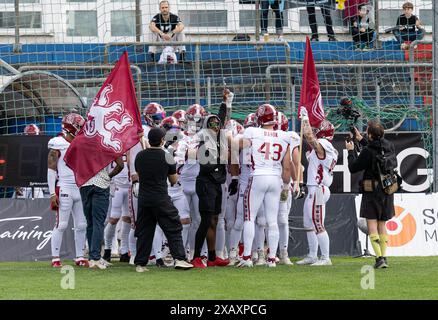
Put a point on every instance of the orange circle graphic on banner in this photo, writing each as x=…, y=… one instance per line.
x=401, y=228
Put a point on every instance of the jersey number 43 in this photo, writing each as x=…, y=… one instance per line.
x=276, y=150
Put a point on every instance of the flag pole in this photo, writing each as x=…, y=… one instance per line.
x=300, y=152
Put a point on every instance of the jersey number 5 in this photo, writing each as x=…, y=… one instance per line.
x=266, y=149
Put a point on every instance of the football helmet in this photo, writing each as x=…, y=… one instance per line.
x=153, y=114
x=266, y=115
x=234, y=126
x=196, y=113
x=169, y=123
x=31, y=130
x=250, y=121
x=180, y=115
x=283, y=122
x=326, y=130
x=72, y=123
x=195, y=117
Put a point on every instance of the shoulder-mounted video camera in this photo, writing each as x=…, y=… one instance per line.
x=347, y=110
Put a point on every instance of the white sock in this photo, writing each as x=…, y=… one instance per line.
x=157, y=244
x=192, y=234
x=56, y=241
x=284, y=236
x=273, y=236
x=248, y=237
x=235, y=236
x=185, y=234
x=80, y=236
x=204, y=250
x=324, y=244
x=312, y=240
x=220, y=238
x=132, y=242
x=260, y=237
x=124, y=237
x=109, y=232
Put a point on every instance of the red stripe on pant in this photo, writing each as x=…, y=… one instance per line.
x=57, y=210
x=246, y=201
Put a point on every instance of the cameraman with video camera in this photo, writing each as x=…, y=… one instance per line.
x=377, y=205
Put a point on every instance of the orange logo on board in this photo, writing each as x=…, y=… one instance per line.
x=401, y=228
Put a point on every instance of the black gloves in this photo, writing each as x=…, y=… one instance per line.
x=232, y=188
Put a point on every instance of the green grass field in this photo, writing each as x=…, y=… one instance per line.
x=407, y=278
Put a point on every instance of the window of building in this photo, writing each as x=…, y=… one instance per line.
x=203, y=18
x=123, y=23
x=28, y=19
x=247, y=18
x=388, y=17
x=82, y=23
x=21, y=1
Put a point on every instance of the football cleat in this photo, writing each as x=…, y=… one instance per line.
x=284, y=258
x=245, y=263
x=260, y=261
x=82, y=262
x=198, y=263
x=56, y=263
x=270, y=262
x=141, y=269
x=218, y=262
x=307, y=260
x=322, y=262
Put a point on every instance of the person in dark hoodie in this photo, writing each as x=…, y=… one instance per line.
x=377, y=207
x=212, y=155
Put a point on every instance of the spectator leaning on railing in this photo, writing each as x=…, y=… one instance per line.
x=408, y=27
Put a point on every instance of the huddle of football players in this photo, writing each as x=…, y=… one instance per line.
x=264, y=176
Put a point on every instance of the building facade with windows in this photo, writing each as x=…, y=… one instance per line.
x=98, y=21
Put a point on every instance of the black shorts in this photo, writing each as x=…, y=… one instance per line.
x=377, y=206
x=210, y=197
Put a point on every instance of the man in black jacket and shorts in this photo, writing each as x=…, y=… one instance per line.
x=376, y=206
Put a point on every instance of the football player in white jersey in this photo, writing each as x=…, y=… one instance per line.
x=322, y=159
x=268, y=150
x=176, y=193
x=188, y=170
x=244, y=168
x=119, y=209
x=153, y=114
x=64, y=194
x=284, y=208
x=229, y=199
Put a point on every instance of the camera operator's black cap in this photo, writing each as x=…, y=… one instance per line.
x=156, y=135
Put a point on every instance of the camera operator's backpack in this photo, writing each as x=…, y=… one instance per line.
x=385, y=165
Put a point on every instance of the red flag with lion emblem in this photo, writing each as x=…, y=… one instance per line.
x=112, y=126
x=310, y=92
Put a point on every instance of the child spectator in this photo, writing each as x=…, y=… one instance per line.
x=362, y=29
x=409, y=27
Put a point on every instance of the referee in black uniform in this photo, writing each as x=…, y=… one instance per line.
x=154, y=203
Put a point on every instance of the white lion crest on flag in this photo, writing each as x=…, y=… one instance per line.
x=97, y=122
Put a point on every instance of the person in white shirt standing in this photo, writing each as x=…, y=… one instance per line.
x=268, y=150
x=322, y=159
x=119, y=209
x=95, y=202
x=64, y=194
